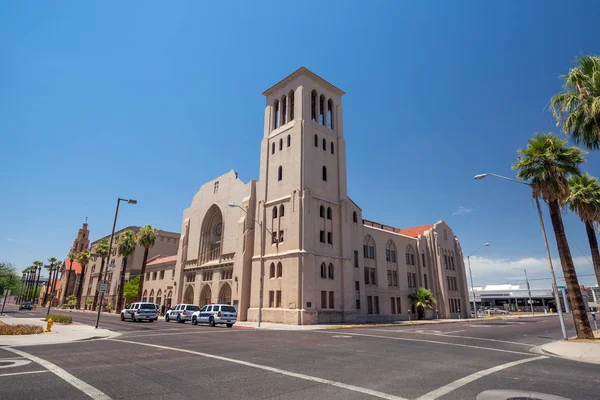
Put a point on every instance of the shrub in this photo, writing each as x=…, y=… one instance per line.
x=60, y=319
x=20, y=329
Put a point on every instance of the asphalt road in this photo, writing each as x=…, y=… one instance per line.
x=179, y=361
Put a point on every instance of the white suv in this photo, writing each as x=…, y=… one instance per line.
x=181, y=312
x=214, y=314
x=140, y=311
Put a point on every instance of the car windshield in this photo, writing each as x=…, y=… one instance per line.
x=147, y=306
x=228, y=309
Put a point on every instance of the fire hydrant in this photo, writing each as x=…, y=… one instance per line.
x=49, y=325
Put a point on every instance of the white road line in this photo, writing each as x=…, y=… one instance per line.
x=183, y=333
x=151, y=330
x=431, y=341
x=353, y=388
x=466, y=337
x=61, y=373
x=447, y=333
x=439, y=392
x=24, y=373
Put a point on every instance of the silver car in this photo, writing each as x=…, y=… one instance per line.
x=140, y=311
x=214, y=314
x=181, y=313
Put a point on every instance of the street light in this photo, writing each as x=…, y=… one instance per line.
x=112, y=234
x=262, y=260
x=471, y=275
x=554, y=287
x=528, y=287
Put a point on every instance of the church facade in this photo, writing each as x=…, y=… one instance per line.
x=293, y=244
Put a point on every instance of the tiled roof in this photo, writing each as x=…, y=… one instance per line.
x=414, y=231
x=162, y=260
x=76, y=266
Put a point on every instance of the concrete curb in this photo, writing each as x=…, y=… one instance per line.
x=570, y=351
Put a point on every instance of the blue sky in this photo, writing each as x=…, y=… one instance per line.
x=99, y=100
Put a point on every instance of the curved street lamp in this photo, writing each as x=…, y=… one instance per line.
x=471, y=275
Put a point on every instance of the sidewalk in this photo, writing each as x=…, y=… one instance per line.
x=574, y=350
x=277, y=326
x=60, y=333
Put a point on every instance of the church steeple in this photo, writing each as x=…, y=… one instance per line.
x=82, y=241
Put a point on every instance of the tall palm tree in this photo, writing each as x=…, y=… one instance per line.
x=547, y=164
x=102, y=251
x=54, y=265
x=126, y=247
x=38, y=265
x=584, y=199
x=421, y=299
x=71, y=257
x=577, y=107
x=29, y=282
x=146, y=237
x=83, y=258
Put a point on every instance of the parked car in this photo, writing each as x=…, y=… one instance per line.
x=26, y=305
x=140, y=311
x=494, y=310
x=214, y=314
x=181, y=312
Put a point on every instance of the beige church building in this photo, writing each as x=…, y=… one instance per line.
x=316, y=260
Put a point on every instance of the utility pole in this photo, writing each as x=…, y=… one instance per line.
x=529, y=291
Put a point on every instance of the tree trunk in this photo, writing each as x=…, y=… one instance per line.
x=28, y=291
x=121, y=286
x=36, y=287
x=142, y=276
x=48, y=285
x=68, y=278
x=420, y=313
x=591, y=233
x=80, y=288
x=95, y=304
x=580, y=317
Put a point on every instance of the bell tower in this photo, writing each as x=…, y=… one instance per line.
x=300, y=198
x=82, y=241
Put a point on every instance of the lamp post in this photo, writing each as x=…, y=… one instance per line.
x=262, y=260
x=471, y=275
x=554, y=287
x=528, y=288
x=112, y=234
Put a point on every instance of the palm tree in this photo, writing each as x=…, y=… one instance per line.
x=37, y=265
x=83, y=258
x=71, y=257
x=577, y=108
x=52, y=269
x=29, y=282
x=547, y=164
x=584, y=199
x=102, y=251
x=421, y=299
x=126, y=247
x=146, y=237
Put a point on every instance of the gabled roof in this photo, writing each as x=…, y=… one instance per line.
x=415, y=231
x=161, y=260
x=75, y=268
x=310, y=74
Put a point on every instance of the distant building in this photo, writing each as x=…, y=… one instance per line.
x=71, y=270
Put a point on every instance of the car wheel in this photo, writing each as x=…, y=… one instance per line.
x=230, y=325
x=194, y=321
x=122, y=317
x=167, y=318
x=211, y=322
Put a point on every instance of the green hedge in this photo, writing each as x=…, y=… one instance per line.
x=60, y=319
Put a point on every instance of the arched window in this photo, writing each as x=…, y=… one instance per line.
x=280, y=144
x=281, y=210
x=370, y=261
x=328, y=212
x=330, y=114
x=272, y=271
x=332, y=152
x=274, y=212
x=392, y=266
x=273, y=148
x=324, y=144
x=279, y=270
x=322, y=212
x=410, y=255
x=330, y=271
x=323, y=271
x=145, y=296
x=390, y=252
x=354, y=217
x=289, y=139
x=291, y=97
x=283, y=110
x=322, y=110
x=276, y=115
x=279, y=173
x=316, y=140
x=325, y=173
x=313, y=106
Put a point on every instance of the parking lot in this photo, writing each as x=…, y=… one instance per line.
x=179, y=361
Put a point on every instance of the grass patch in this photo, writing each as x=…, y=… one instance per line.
x=60, y=319
x=19, y=329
